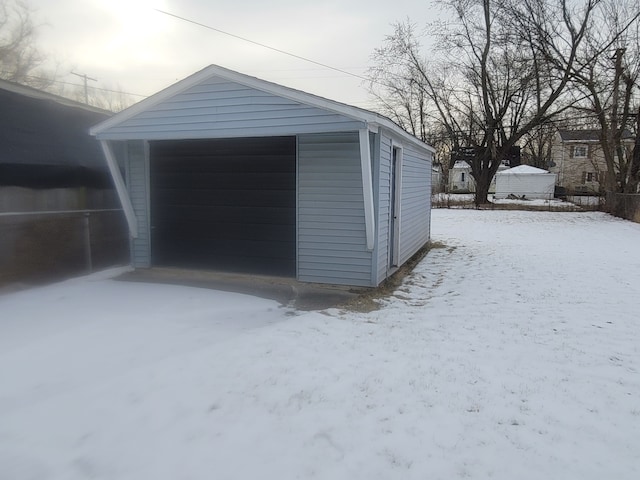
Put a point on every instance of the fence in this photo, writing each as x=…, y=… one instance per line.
x=573, y=204
x=624, y=205
x=43, y=246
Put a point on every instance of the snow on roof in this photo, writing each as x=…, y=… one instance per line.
x=523, y=169
x=461, y=164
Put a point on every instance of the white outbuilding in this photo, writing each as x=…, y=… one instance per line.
x=525, y=181
x=224, y=171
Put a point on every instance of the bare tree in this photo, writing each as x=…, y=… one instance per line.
x=105, y=96
x=20, y=59
x=396, y=89
x=503, y=69
x=537, y=146
x=635, y=157
x=611, y=86
x=112, y=98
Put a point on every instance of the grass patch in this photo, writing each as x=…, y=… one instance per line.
x=368, y=301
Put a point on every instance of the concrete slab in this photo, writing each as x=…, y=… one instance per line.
x=287, y=291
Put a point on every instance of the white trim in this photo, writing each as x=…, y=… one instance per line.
x=121, y=189
x=367, y=187
x=373, y=119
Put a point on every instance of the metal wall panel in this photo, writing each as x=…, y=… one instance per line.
x=331, y=230
x=415, y=222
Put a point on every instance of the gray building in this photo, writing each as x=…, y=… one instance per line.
x=227, y=171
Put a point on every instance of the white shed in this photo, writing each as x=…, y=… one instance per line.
x=525, y=181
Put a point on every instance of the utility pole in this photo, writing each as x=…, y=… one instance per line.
x=86, y=89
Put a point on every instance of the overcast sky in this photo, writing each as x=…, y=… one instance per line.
x=126, y=42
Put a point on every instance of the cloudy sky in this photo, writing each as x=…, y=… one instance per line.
x=128, y=43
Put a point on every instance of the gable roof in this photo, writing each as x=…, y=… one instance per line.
x=44, y=140
x=370, y=118
x=587, y=135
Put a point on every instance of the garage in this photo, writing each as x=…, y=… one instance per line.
x=224, y=171
x=226, y=204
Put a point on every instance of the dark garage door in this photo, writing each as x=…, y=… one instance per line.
x=226, y=204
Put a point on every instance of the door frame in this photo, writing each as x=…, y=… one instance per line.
x=395, y=205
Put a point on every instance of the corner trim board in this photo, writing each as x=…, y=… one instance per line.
x=367, y=187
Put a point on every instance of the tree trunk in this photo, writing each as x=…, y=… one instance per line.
x=482, y=189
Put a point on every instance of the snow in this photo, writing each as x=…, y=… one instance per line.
x=553, y=203
x=524, y=170
x=513, y=351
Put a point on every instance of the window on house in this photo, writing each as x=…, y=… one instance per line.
x=580, y=151
x=589, y=177
x=462, y=177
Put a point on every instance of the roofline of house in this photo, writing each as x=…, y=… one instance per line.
x=627, y=136
x=42, y=95
x=372, y=119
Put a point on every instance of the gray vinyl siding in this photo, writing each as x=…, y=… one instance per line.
x=219, y=108
x=331, y=228
x=137, y=175
x=384, y=208
x=415, y=210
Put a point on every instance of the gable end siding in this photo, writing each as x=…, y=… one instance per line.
x=218, y=108
x=331, y=229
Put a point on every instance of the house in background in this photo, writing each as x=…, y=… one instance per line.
x=59, y=212
x=461, y=180
x=577, y=159
x=230, y=172
x=437, y=178
x=45, y=145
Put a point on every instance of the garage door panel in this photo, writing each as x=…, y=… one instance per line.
x=227, y=181
x=224, y=204
x=183, y=198
x=233, y=231
x=207, y=246
x=249, y=215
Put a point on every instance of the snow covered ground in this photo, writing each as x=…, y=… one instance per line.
x=513, y=352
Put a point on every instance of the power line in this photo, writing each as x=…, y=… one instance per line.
x=284, y=52
x=86, y=88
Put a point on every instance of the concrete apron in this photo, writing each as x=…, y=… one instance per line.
x=287, y=291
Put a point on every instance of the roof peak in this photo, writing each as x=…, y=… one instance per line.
x=366, y=116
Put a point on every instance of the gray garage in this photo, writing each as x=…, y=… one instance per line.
x=229, y=172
